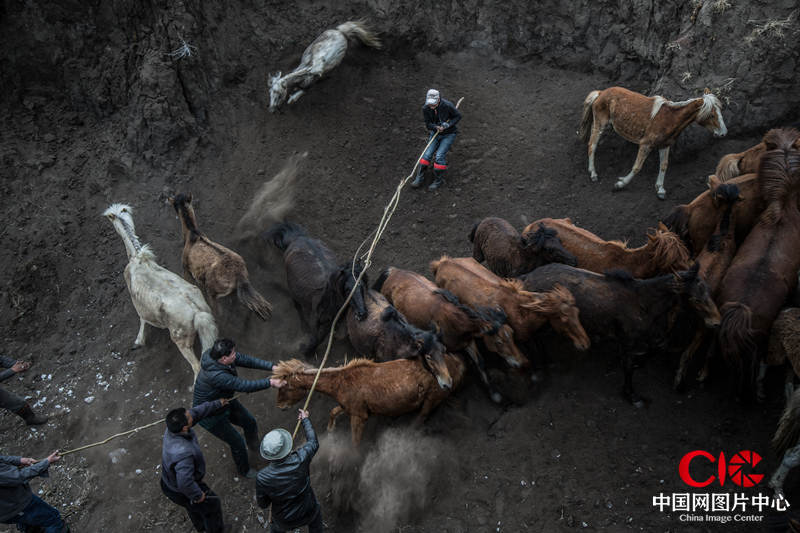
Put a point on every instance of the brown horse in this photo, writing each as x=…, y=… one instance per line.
x=508, y=254
x=696, y=221
x=423, y=303
x=363, y=387
x=384, y=334
x=526, y=311
x=746, y=162
x=650, y=122
x=217, y=270
x=663, y=253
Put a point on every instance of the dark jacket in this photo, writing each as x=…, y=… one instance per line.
x=15, y=494
x=182, y=461
x=444, y=114
x=287, y=486
x=216, y=380
x=7, y=363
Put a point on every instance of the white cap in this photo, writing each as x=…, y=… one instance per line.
x=432, y=98
x=276, y=444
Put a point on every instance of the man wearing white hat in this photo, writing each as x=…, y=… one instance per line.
x=286, y=484
x=441, y=117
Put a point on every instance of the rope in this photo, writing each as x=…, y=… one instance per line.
x=388, y=212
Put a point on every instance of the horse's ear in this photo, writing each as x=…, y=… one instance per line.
x=713, y=181
x=662, y=227
x=189, y=198
x=706, y=91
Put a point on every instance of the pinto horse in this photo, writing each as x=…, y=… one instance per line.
x=363, y=388
x=321, y=56
x=664, y=252
x=508, y=254
x=635, y=316
x=650, y=122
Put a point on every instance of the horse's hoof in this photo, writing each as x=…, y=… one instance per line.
x=136, y=346
x=618, y=186
x=496, y=397
x=661, y=195
x=593, y=178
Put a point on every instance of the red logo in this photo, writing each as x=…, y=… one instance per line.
x=734, y=469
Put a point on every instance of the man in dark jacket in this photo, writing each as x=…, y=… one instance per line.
x=285, y=483
x=183, y=467
x=20, y=506
x=440, y=116
x=14, y=403
x=218, y=379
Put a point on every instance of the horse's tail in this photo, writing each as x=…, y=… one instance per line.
x=382, y=277
x=282, y=235
x=737, y=342
x=206, y=329
x=252, y=299
x=788, y=432
x=728, y=167
x=585, y=130
x=359, y=29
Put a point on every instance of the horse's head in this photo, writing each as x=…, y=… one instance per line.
x=547, y=247
x=502, y=343
x=710, y=115
x=122, y=220
x=431, y=350
x=563, y=313
x=698, y=295
x=291, y=393
x=277, y=91
x=667, y=251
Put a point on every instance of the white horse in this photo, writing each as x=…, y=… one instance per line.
x=321, y=56
x=162, y=299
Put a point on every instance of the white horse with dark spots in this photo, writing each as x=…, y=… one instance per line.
x=162, y=299
x=321, y=56
x=650, y=122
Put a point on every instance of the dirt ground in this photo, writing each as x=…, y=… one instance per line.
x=565, y=454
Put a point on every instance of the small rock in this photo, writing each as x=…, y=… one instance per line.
x=89, y=399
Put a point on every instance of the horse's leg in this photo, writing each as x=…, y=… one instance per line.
x=761, y=393
x=139, y=342
x=644, y=151
x=335, y=412
x=295, y=96
x=627, y=388
x=185, y=344
x=686, y=356
x=663, y=159
x=597, y=131
x=357, y=427
x=474, y=354
x=790, y=460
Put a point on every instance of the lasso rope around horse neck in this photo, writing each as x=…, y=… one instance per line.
x=388, y=212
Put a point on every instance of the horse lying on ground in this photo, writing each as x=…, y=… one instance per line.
x=217, y=270
x=650, y=122
x=696, y=221
x=508, y=254
x=386, y=335
x=636, y=316
x=664, y=252
x=317, y=282
x=321, y=56
x=363, y=387
x=161, y=298
x=423, y=303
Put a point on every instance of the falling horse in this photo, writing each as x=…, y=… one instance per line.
x=363, y=388
x=321, y=56
x=216, y=269
x=650, y=122
x=160, y=297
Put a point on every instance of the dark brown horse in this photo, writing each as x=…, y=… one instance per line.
x=632, y=315
x=508, y=254
x=363, y=388
x=423, y=303
x=386, y=335
x=317, y=282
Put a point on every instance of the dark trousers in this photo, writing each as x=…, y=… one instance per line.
x=315, y=526
x=206, y=516
x=12, y=402
x=221, y=426
x=39, y=513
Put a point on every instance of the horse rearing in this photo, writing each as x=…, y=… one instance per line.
x=650, y=122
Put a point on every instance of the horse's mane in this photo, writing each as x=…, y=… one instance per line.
x=286, y=369
x=667, y=249
x=514, y=284
x=550, y=302
x=146, y=253
x=282, y=234
x=778, y=171
x=726, y=195
x=709, y=103
x=541, y=236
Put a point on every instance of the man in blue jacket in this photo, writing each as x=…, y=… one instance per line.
x=286, y=483
x=218, y=379
x=183, y=467
x=441, y=117
x=20, y=506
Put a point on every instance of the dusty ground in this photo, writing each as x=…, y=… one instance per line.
x=568, y=454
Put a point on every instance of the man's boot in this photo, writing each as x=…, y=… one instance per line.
x=31, y=418
x=438, y=174
x=420, y=177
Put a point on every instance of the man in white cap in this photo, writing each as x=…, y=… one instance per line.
x=285, y=482
x=441, y=117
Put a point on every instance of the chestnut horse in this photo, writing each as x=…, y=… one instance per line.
x=386, y=335
x=732, y=165
x=321, y=57
x=632, y=315
x=526, y=311
x=217, y=270
x=508, y=254
x=363, y=388
x=650, y=122
x=664, y=252
x=424, y=303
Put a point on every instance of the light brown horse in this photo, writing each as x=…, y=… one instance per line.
x=363, y=387
x=217, y=270
x=663, y=253
x=527, y=311
x=746, y=162
x=650, y=122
